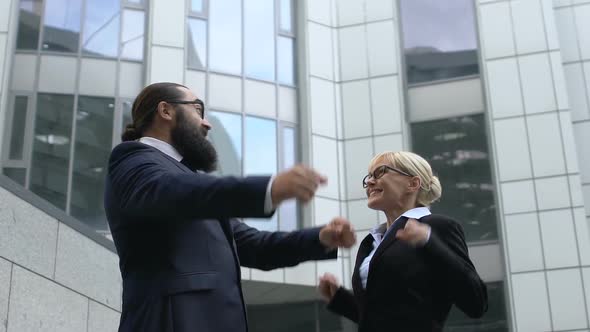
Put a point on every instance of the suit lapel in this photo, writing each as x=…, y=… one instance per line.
x=365, y=249
x=389, y=239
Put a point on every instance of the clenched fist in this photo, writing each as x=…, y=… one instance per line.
x=300, y=182
x=328, y=286
x=414, y=233
x=338, y=233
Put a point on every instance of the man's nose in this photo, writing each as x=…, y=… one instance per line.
x=206, y=124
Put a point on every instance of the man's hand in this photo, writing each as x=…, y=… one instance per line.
x=299, y=182
x=415, y=233
x=328, y=286
x=338, y=233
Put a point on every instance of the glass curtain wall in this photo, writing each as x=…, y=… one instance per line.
x=441, y=59
x=57, y=144
x=253, y=41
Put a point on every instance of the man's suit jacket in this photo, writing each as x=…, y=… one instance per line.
x=180, y=250
x=412, y=289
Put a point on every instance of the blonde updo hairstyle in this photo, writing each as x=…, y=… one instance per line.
x=413, y=164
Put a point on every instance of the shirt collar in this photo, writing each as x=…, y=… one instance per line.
x=162, y=146
x=415, y=213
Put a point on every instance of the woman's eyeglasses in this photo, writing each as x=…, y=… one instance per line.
x=379, y=172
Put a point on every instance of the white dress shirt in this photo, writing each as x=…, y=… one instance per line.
x=381, y=231
x=174, y=154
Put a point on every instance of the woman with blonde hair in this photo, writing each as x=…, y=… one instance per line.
x=411, y=269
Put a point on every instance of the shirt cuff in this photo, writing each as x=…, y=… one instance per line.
x=428, y=236
x=268, y=208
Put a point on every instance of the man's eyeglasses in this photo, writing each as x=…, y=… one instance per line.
x=199, y=105
x=379, y=172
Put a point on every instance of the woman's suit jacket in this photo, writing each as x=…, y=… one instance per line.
x=412, y=289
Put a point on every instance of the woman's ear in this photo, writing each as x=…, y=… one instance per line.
x=414, y=184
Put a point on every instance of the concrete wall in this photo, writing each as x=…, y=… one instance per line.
x=52, y=278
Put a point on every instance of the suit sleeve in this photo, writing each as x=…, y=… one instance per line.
x=448, y=251
x=270, y=250
x=147, y=188
x=344, y=304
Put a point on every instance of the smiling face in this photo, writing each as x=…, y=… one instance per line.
x=387, y=187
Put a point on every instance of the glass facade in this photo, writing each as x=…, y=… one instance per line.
x=251, y=41
x=92, y=146
x=309, y=316
x=441, y=56
x=457, y=150
x=494, y=320
x=110, y=28
x=439, y=40
x=58, y=143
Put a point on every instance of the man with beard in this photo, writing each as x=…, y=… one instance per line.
x=179, y=244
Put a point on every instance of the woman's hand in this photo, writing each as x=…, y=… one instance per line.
x=414, y=232
x=328, y=286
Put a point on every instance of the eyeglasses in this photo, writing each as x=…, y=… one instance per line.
x=379, y=172
x=199, y=105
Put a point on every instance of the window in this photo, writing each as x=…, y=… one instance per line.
x=197, y=44
x=439, y=39
x=61, y=25
x=101, y=28
x=94, y=134
x=29, y=24
x=494, y=319
x=51, y=147
x=17, y=131
x=197, y=6
x=132, y=35
x=260, y=158
x=226, y=136
x=288, y=214
x=18, y=175
x=225, y=36
x=259, y=39
x=286, y=16
x=457, y=150
x=285, y=58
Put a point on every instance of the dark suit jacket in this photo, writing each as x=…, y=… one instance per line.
x=180, y=252
x=412, y=289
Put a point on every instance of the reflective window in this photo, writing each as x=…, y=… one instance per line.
x=439, y=39
x=457, y=150
x=132, y=34
x=101, y=28
x=94, y=132
x=51, y=147
x=29, y=24
x=286, y=16
x=259, y=39
x=61, y=25
x=286, y=68
x=288, y=210
x=303, y=316
x=225, y=36
x=197, y=44
x=18, y=175
x=260, y=158
x=260, y=146
x=197, y=6
x=127, y=116
x=226, y=136
x=494, y=319
x=17, y=132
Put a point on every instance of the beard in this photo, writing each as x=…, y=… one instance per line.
x=189, y=139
